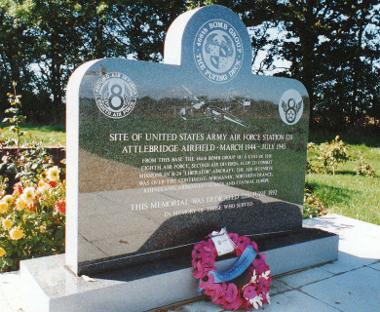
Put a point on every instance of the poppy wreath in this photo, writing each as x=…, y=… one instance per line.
x=217, y=285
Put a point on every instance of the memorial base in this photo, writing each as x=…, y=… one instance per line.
x=49, y=287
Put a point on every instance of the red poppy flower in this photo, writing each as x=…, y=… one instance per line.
x=60, y=206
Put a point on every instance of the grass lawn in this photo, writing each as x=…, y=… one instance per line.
x=50, y=135
x=347, y=193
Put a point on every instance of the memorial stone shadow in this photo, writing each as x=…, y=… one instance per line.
x=185, y=230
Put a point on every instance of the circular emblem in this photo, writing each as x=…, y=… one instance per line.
x=115, y=95
x=218, y=51
x=290, y=107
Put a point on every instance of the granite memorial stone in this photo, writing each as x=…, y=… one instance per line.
x=159, y=155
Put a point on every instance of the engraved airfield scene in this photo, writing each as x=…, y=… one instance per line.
x=171, y=151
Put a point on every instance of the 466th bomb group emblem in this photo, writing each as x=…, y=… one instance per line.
x=218, y=51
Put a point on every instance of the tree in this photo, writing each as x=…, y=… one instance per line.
x=14, y=64
x=332, y=46
x=44, y=41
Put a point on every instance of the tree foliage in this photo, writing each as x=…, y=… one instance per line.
x=332, y=46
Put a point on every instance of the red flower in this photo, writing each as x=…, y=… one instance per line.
x=52, y=183
x=60, y=206
x=32, y=207
x=18, y=189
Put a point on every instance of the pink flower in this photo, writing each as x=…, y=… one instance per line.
x=208, y=261
x=199, y=270
x=204, y=248
x=206, y=282
x=260, y=265
x=263, y=285
x=215, y=291
x=231, y=292
x=234, y=237
x=221, y=300
x=203, y=259
x=249, y=292
x=196, y=254
x=232, y=298
x=207, y=249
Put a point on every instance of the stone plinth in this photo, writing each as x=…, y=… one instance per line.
x=50, y=287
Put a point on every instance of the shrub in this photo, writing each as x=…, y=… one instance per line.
x=313, y=165
x=326, y=157
x=333, y=153
x=15, y=119
x=313, y=207
x=364, y=169
x=32, y=219
x=25, y=166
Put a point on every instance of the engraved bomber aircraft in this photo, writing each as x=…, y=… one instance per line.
x=200, y=109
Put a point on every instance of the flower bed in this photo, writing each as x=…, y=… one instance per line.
x=32, y=219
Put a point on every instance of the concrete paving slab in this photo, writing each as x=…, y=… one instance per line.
x=305, y=277
x=295, y=301
x=355, y=291
x=358, y=241
x=5, y=307
x=346, y=262
x=278, y=287
x=375, y=266
x=10, y=290
x=360, y=245
x=344, y=226
x=198, y=307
